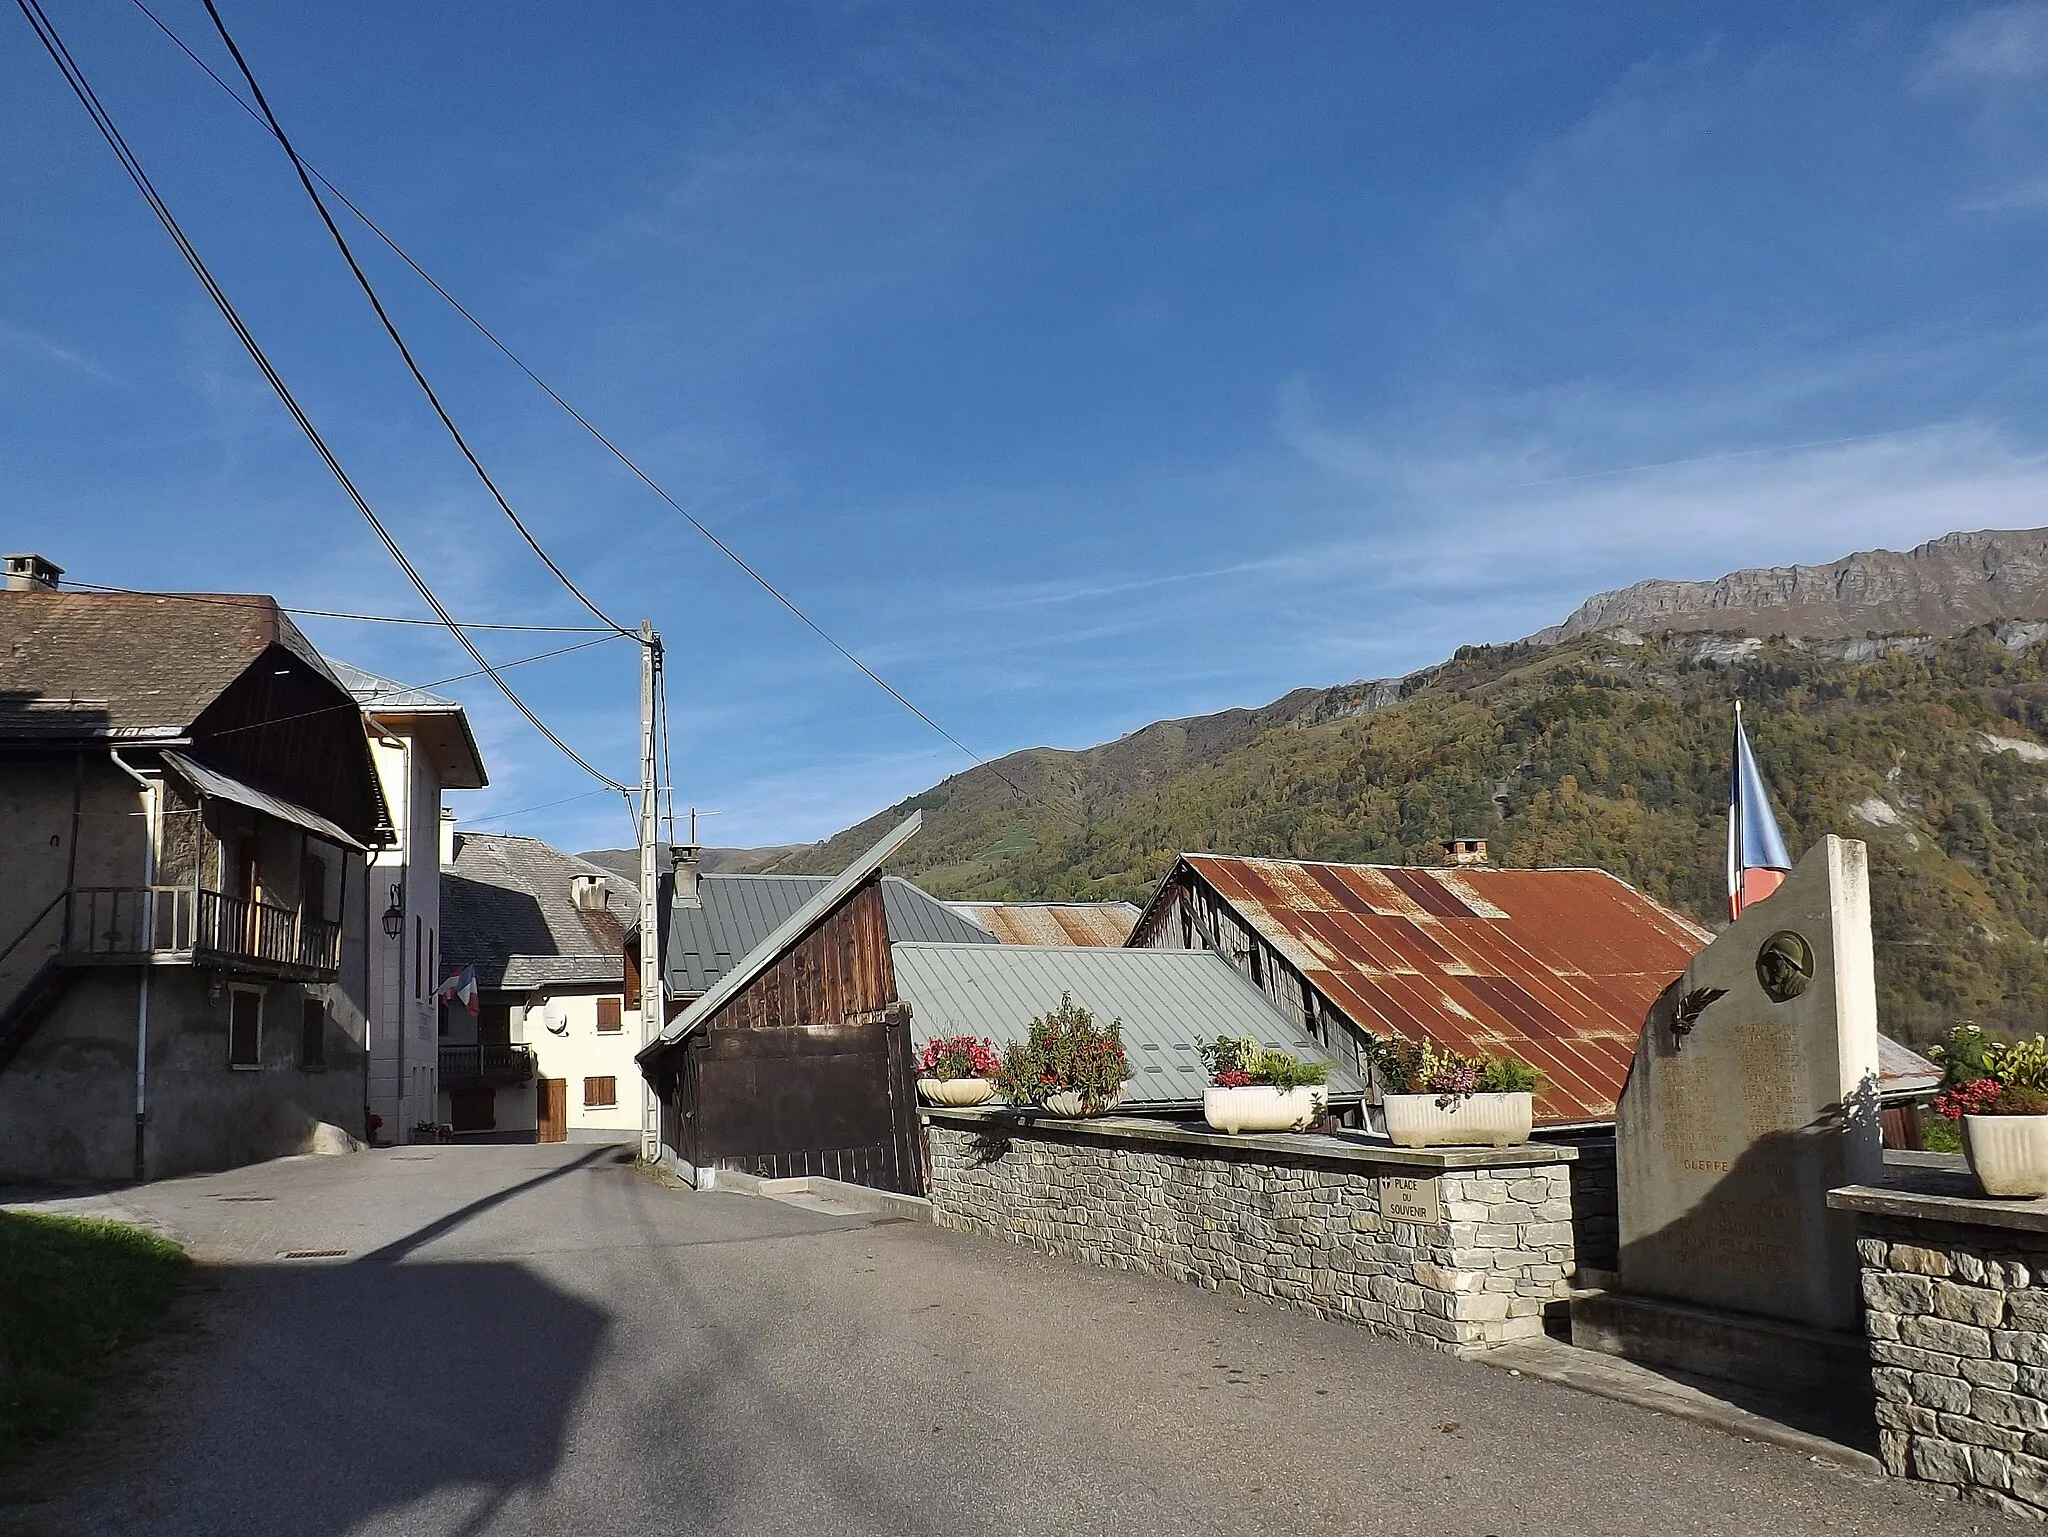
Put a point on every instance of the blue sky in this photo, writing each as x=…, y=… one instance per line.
x=1078, y=367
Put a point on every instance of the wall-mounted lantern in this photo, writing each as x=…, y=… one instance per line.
x=394, y=917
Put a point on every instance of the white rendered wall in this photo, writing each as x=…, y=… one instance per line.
x=581, y=1052
x=405, y=1049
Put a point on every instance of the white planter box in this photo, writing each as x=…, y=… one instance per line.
x=1476, y=1120
x=1069, y=1105
x=1261, y=1107
x=958, y=1093
x=2008, y=1153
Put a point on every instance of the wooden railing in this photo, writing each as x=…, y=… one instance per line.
x=119, y=922
x=486, y=1064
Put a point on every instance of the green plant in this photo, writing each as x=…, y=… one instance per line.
x=1962, y=1055
x=1066, y=1052
x=1504, y=1075
x=1422, y=1067
x=2019, y=1064
x=1236, y=1062
x=73, y=1292
x=2015, y=1101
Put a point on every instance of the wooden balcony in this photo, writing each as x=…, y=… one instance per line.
x=176, y=925
x=499, y=1066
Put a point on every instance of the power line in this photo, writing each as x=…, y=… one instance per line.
x=582, y=421
x=501, y=816
x=390, y=328
x=53, y=44
x=224, y=601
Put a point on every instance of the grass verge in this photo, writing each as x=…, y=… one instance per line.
x=73, y=1293
x=1938, y=1134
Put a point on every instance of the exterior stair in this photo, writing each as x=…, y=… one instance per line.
x=44, y=989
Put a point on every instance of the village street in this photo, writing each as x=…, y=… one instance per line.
x=541, y=1339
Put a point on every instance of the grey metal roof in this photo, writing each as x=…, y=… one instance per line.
x=1165, y=998
x=375, y=692
x=506, y=909
x=211, y=781
x=787, y=933
x=738, y=912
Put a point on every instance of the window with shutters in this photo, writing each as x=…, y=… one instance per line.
x=610, y=1016
x=313, y=1034
x=245, y=1028
x=600, y=1093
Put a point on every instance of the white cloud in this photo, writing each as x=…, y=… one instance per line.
x=1996, y=47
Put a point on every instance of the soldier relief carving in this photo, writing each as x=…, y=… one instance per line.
x=1784, y=966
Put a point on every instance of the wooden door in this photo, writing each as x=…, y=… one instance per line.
x=473, y=1108
x=551, y=1096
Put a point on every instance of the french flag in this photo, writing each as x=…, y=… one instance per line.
x=1757, y=860
x=461, y=988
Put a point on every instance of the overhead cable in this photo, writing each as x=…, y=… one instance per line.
x=578, y=417
x=390, y=327
x=74, y=77
x=228, y=601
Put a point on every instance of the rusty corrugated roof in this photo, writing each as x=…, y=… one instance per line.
x=1104, y=924
x=1554, y=967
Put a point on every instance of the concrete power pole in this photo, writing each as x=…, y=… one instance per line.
x=653, y=980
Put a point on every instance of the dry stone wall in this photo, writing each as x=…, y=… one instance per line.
x=1957, y=1319
x=1457, y=1258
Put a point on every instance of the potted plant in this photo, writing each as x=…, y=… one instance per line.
x=957, y=1070
x=1070, y=1066
x=1999, y=1092
x=1437, y=1098
x=1254, y=1088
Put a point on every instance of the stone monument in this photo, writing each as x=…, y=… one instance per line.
x=1754, y=1091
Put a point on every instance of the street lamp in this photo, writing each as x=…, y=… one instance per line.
x=394, y=917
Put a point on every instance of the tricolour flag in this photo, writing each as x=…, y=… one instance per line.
x=1757, y=860
x=461, y=988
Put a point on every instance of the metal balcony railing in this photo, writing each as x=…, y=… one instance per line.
x=486, y=1064
x=113, y=923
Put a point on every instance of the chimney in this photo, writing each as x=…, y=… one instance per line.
x=1465, y=851
x=30, y=573
x=450, y=839
x=689, y=858
x=589, y=893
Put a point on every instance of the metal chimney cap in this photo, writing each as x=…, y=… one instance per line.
x=27, y=571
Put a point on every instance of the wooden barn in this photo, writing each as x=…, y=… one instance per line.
x=799, y=1059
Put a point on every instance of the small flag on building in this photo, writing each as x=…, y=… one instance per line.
x=461, y=988
x=1757, y=860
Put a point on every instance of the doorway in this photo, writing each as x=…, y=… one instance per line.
x=551, y=1110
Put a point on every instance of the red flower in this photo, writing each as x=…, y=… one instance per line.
x=1975, y=1098
x=1235, y=1078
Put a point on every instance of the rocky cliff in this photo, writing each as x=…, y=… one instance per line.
x=1939, y=588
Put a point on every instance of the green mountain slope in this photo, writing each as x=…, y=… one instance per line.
x=1591, y=752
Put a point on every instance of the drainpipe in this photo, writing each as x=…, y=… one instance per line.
x=150, y=794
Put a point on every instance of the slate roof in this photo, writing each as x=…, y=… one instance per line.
x=505, y=908
x=1053, y=923
x=130, y=665
x=738, y=912
x=1164, y=998
x=379, y=693
x=1555, y=967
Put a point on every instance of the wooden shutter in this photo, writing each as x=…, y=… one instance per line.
x=600, y=1093
x=610, y=1020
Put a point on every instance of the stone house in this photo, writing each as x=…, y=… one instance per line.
x=549, y=1053
x=186, y=803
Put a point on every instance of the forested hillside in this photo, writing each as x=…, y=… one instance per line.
x=1593, y=752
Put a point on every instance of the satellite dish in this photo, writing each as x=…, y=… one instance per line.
x=556, y=1019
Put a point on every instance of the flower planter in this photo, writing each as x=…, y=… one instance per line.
x=1475, y=1120
x=958, y=1093
x=1069, y=1105
x=2008, y=1153
x=1261, y=1107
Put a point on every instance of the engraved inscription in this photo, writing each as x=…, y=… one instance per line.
x=1411, y=1200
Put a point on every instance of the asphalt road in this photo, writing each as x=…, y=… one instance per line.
x=543, y=1340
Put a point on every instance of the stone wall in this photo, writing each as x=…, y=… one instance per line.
x=1957, y=1319
x=1455, y=1249
x=1596, y=1200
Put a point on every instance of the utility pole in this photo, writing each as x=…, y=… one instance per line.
x=653, y=982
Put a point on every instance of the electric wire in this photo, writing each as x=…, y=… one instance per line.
x=74, y=77
x=582, y=421
x=390, y=327
x=227, y=601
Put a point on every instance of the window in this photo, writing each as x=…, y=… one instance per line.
x=419, y=955
x=313, y=1034
x=433, y=980
x=600, y=1093
x=610, y=1019
x=315, y=882
x=245, y=1028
